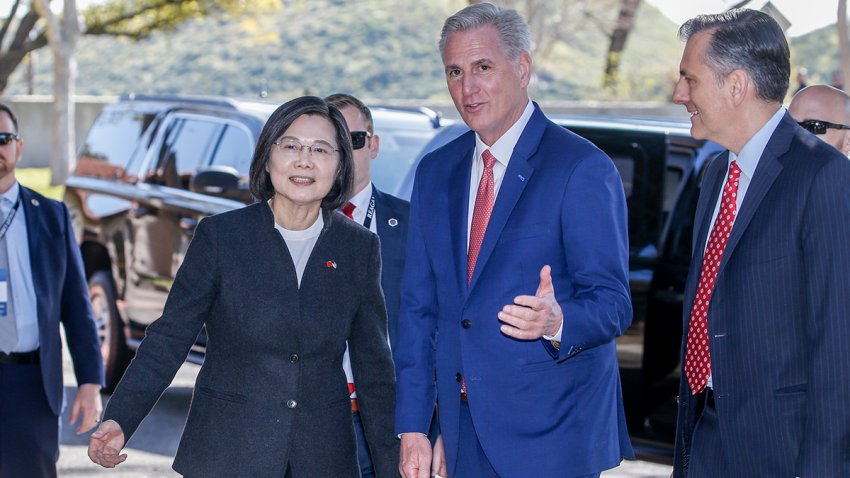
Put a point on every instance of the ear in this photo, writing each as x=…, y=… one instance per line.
x=845, y=145
x=524, y=69
x=374, y=144
x=738, y=85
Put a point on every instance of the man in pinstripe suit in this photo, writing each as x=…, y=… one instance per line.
x=766, y=352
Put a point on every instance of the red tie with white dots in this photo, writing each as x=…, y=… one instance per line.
x=481, y=213
x=697, y=356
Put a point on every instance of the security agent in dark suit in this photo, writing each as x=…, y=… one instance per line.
x=766, y=367
x=281, y=287
x=383, y=214
x=42, y=284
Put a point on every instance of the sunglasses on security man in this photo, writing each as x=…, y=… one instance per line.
x=358, y=139
x=820, y=127
x=6, y=138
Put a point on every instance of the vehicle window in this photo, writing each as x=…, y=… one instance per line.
x=626, y=167
x=113, y=137
x=235, y=149
x=187, y=149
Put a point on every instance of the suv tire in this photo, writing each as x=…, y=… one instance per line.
x=110, y=328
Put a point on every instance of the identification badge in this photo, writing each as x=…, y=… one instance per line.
x=4, y=291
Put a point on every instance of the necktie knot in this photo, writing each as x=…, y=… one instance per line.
x=348, y=210
x=488, y=158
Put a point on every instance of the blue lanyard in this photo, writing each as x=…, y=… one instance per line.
x=370, y=213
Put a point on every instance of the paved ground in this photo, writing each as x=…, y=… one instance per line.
x=152, y=449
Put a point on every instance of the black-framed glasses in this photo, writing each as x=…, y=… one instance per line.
x=358, y=139
x=6, y=138
x=819, y=126
x=291, y=147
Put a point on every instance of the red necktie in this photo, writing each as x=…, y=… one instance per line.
x=697, y=357
x=348, y=210
x=481, y=213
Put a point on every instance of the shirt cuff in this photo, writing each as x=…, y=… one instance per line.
x=557, y=336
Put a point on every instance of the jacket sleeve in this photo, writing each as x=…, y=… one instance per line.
x=77, y=318
x=597, y=251
x=168, y=340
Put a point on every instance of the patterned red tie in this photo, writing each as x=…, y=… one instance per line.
x=481, y=213
x=697, y=357
x=348, y=210
x=480, y=217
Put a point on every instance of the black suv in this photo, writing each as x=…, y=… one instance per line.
x=661, y=167
x=150, y=169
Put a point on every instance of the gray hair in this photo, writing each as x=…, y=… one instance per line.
x=513, y=31
x=749, y=40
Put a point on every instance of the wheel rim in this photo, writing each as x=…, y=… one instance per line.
x=102, y=318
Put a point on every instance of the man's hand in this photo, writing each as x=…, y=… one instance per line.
x=438, y=462
x=88, y=402
x=106, y=444
x=531, y=317
x=415, y=456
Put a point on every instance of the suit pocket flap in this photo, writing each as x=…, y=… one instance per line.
x=226, y=396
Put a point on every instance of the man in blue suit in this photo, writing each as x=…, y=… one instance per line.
x=42, y=284
x=516, y=282
x=386, y=216
x=766, y=364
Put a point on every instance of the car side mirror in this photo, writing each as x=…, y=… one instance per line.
x=220, y=181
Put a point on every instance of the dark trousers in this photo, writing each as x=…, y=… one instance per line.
x=471, y=460
x=29, y=431
x=364, y=457
x=707, y=458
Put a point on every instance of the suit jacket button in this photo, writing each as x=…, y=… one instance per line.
x=466, y=323
x=291, y=404
x=293, y=358
x=457, y=377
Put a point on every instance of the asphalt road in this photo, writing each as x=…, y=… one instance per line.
x=152, y=448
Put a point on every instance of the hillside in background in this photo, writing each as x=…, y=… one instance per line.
x=372, y=48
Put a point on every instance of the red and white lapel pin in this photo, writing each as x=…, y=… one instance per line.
x=330, y=264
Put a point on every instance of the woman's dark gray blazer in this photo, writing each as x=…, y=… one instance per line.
x=271, y=391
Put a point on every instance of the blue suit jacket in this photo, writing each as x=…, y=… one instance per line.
x=393, y=215
x=62, y=296
x=778, y=320
x=537, y=411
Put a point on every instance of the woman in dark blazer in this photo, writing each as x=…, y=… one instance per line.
x=280, y=286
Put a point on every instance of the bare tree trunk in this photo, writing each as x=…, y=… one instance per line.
x=622, y=29
x=843, y=40
x=62, y=37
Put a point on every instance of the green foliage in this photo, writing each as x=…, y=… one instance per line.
x=818, y=52
x=138, y=19
x=39, y=180
x=370, y=48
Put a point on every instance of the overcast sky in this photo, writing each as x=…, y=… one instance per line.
x=805, y=15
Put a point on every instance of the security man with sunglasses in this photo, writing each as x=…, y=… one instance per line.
x=824, y=111
x=42, y=284
x=384, y=215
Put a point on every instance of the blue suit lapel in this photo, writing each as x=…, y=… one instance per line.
x=32, y=211
x=767, y=171
x=513, y=184
x=459, y=177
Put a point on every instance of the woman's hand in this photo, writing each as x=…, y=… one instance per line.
x=106, y=444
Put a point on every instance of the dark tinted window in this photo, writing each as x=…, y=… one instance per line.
x=114, y=136
x=235, y=149
x=195, y=138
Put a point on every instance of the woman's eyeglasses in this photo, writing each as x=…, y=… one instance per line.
x=820, y=127
x=6, y=138
x=358, y=139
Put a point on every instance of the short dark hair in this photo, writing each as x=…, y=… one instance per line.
x=343, y=100
x=277, y=124
x=748, y=40
x=4, y=108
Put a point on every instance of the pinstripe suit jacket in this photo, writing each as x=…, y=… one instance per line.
x=271, y=391
x=778, y=321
